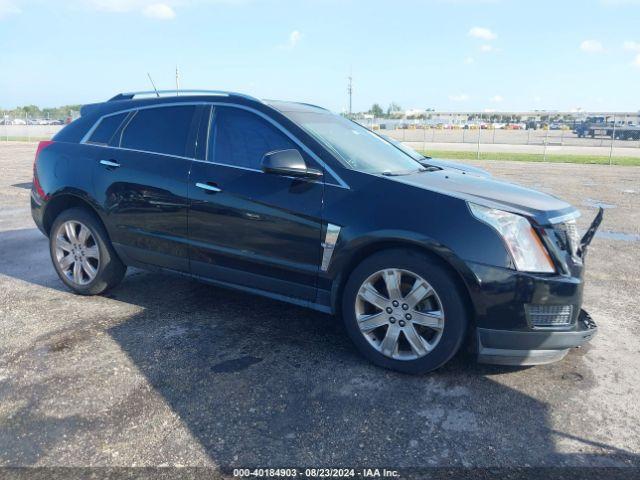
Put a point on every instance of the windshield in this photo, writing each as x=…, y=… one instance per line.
x=408, y=150
x=355, y=146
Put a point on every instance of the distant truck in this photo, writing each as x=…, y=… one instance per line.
x=607, y=130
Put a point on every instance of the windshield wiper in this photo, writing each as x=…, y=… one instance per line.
x=388, y=173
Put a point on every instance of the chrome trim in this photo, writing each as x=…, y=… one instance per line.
x=145, y=151
x=109, y=163
x=329, y=244
x=239, y=167
x=209, y=120
x=205, y=186
x=563, y=218
x=340, y=183
x=87, y=136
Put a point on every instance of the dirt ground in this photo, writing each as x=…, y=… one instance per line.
x=166, y=371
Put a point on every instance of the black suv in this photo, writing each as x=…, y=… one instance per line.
x=290, y=201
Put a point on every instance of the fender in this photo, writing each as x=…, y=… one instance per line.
x=68, y=197
x=351, y=251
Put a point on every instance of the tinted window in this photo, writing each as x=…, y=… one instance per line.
x=161, y=130
x=106, y=128
x=242, y=138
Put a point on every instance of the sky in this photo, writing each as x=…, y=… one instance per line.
x=500, y=55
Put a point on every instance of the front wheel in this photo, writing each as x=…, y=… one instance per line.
x=404, y=311
x=82, y=254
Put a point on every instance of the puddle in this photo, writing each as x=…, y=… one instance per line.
x=590, y=202
x=625, y=237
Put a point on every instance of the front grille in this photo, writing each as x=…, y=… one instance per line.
x=549, y=316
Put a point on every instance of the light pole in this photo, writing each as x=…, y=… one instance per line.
x=613, y=136
x=350, y=92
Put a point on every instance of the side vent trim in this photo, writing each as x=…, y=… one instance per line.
x=329, y=244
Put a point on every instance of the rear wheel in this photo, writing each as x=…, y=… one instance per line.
x=404, y=311
x=82, y=253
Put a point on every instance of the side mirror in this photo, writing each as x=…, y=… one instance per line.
x=289, y=163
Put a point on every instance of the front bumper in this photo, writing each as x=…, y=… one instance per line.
x=533, y=347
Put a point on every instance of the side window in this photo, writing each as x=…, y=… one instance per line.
x=159, y=129
x=241, y=138
x=106, y=128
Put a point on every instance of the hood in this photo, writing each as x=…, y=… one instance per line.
x=492, y=193
x=448, y=164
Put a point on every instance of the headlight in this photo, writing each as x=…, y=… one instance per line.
x=523, y=243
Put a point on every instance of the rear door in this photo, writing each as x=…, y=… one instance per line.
x=140, y=179
x=247, y=227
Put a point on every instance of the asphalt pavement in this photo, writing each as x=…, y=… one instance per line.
x=163, y=370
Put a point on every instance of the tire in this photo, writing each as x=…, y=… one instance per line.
x=443, y=343
x=103, y=269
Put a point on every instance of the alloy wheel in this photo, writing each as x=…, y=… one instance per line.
x=77, y=252
x=400, y=314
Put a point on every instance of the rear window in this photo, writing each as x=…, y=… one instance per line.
x=160, y=130
x=106, y=129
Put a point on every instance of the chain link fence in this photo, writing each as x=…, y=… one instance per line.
x=613, y=134
x=25, y=127
x=591, y=134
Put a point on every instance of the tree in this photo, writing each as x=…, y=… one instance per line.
x=394, y=109
x=376, y=110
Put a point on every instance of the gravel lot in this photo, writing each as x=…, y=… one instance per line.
x=167, y=371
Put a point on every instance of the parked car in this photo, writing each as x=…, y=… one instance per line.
x=292, y=202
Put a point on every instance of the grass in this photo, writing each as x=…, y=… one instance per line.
x=22, y=139
x=533, y=157
x=469, y=155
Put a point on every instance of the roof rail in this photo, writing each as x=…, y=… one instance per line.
x=175, y=93
x=270, y=101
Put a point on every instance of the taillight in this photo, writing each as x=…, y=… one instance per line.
x=36, y=183
x=41, y=146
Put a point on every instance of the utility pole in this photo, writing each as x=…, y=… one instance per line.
x=350, y=92
x=177, y=81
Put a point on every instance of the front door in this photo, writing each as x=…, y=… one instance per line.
x=249, y=228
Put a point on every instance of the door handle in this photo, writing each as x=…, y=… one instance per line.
x=210, y=187
x=109, y=163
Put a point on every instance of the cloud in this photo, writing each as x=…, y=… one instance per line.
x=462, y=97
x=496, y=99
x=591, y=46
x=636, y=61
x=469, y=60
x=631, y=46
x=294, y=39
x=8, y=7
x=118, y=6
x=486, y=48
x=482, y=33
x=619, y=3
x=159, y=11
